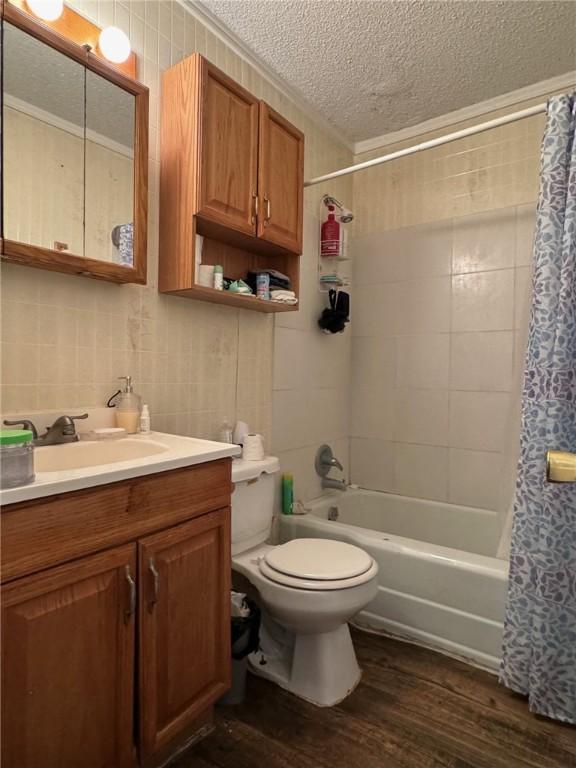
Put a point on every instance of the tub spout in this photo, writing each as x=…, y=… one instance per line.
x=338, y=485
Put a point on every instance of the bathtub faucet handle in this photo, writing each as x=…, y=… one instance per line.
x=324, y=462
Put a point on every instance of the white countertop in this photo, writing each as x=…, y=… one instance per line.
x=179, y=452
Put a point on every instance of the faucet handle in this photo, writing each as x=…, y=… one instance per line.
x=325, y=460
x=66, y=423
x=25, y=424
x=72, y=419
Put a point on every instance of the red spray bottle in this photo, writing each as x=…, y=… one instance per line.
x=330, y=245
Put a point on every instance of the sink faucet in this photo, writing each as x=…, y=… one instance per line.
x=324, y=462
x=62, y=431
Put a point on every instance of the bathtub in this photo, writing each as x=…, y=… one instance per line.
x=439, y=582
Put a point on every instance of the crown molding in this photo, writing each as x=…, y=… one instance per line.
x=197, y=9
x=505, y=101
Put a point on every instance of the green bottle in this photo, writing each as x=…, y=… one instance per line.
x=287, y=493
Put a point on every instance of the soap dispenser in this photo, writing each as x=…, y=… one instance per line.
x=128, y=407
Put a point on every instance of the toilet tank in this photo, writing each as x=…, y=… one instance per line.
x=252, y=502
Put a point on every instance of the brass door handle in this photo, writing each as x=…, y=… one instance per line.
x=155, y=585
x=268, y=209
x=255, y=206
x=132, y=599
x=561, y=467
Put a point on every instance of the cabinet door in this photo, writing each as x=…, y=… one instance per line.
x=67, y=664
x=280, y=180
x=185, y=626
x=228, y=152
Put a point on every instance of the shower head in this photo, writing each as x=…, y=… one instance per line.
x=345, y=215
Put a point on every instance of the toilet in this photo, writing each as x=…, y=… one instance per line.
x=308, y=589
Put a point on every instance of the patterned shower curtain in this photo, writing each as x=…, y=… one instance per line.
x=540, y=628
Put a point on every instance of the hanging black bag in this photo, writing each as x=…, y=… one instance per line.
x=334, y=318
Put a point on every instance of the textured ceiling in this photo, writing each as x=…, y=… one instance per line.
x=39, y=75
x=376, y=66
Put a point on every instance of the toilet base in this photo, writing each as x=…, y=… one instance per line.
x=320, y=668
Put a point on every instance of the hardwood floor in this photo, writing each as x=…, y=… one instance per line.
x=413, y=709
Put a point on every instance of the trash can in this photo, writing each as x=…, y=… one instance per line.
x=244, y=631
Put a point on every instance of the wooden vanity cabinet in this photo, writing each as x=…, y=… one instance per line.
x=232, y=171
x=184, y=627
x=114, y=657
x=68, y=664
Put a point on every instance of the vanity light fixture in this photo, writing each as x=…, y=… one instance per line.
x=49, y=10
x=114, y=45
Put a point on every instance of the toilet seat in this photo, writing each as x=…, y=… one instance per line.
x=317, y=564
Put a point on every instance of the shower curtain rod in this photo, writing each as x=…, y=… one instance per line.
x=432, y=143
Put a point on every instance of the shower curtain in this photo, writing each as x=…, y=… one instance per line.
x=540, y=627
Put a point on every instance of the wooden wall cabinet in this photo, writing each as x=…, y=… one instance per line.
x=227, y=184
x=75, y=689
x=232, y=170
x=280, y=180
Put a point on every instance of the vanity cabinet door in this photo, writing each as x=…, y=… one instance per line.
x=67, y=664
x=280, y=181
x=227, y=183
x=184, y=628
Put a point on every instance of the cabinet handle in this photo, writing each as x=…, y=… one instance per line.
x=132, y=599
x=155, y=585
x=255, y=206
x=268, y=210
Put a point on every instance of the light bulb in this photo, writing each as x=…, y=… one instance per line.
x=114, y=45
x=49, y=10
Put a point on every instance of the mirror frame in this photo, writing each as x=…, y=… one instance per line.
x=46, y=258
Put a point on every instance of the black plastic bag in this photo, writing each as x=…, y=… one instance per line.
x=245, y=632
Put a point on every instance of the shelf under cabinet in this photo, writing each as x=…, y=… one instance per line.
x=234, y=299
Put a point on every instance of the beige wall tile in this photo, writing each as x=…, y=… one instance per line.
x=482, y=361
x=373, y=363
x=372, y=413
x=483, y=301
x=474, y=478
x=421, y=416
x=479, y=420
x=196, y=364
x=485, y=241
x=423, y=361
x=372, y=463
x=421, y=471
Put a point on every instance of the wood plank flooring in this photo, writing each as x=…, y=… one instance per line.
x=413, y=709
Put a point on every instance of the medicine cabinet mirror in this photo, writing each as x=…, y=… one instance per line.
x=75, y=157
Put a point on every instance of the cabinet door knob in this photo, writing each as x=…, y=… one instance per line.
x=155, y=585
x=132, y=595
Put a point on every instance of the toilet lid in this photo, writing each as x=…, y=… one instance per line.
x=318, y=560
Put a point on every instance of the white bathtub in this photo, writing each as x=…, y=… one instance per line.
x=439, y=583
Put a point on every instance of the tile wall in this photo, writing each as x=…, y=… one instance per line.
x=439, y=321
x=66, y=339
x=441, y=255
x=311, y=379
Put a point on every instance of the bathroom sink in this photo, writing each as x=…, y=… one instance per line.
x=89, y=462
x=60, y=458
